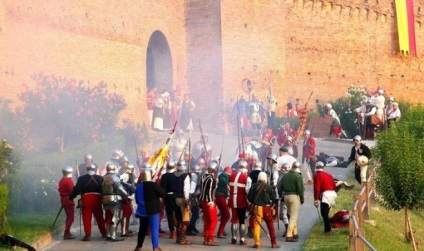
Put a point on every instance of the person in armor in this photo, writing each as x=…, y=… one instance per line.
x=240, y=184
x=285, y=157
x=235, y=165
x=291, y=186
x=188, y=158
x=262, y=195
x=123, y=167
x=128, y=180
x=291, y=147
x=147, y=196
x=324, y=191
x=308, y=156
x=195, y=175
x=357, y=151
x=199, y=148
x=88, y=161
x=114, y=195
x=267, y=141
x=284, y=216
x=166, y=182
x=221, y=196
x=246, y=148
x=89, y=186
x=178, y=145
x=181, y=190
x=257, y=114
x=273, y=169
x=254, y=177
x=116, y=158
x=66, y=184
x=207, y=203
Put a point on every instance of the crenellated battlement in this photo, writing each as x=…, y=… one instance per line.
x=362, y=9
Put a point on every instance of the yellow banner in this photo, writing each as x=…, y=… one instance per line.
x=402, y=24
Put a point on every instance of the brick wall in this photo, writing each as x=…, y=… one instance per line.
x=300, y=46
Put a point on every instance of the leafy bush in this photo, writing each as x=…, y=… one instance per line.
x=69, y=111
x=345, y=106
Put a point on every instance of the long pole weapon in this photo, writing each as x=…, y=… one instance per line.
x=262, y=227
x=238, y=124
x=57, y=216
x=136, y=152
x=304, y=119
x=204, y=143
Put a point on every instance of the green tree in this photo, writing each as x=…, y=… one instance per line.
x=6, y=164
x=400, y=176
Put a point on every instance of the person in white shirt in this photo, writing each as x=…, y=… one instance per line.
x=394, y=115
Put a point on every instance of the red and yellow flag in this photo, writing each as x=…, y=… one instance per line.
x=406, y=27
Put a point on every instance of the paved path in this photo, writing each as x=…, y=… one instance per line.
x=307, y=218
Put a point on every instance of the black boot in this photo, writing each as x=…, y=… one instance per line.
x=285, y=232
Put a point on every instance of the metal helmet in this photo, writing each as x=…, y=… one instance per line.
x=170, y=165
x=289, y=138
x=145, y=174
x=110, y=167
x=67, y=171
x=201, y=161
x=130, y=167
x=272, y=157
x=196, y=168
x=362, y=160
x=181, y=165
x=91, y=169
x=296, y=165
x=307, y=132
x=213, y=166
x=258, y=165
x=285, y=166
x=242, y=165
x=319, y=165
x=117, y=154
x=124, y=159
x=88, y=157
x=357, y=137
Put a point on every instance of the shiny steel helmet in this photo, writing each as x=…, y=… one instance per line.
x=196, y=168
x=362, y=160
x=285, y=166
x=67, y=171
x=258, y=165
x=170, y=165
x=91, y=169
x=130, y=167
x=296, y=165
x=242, y=165
x=181, y=165
x=88, y=157
x=272, y=157
x=124, y=159
x=201, y=161
x=110, y=167
x=307, y=132
x=117, y=154
x=213, y=166
x=319, y=165
x=145, y=174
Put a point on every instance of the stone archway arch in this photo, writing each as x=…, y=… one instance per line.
x=159, y=63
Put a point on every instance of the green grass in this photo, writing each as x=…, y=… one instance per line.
x=31, y=227
x=388, y=234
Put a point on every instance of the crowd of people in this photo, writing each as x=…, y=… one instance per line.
x=193, y=184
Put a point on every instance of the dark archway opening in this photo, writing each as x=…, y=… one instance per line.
x=159, y=63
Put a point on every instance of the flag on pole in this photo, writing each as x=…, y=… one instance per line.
x=406, y=27
x=157, y=161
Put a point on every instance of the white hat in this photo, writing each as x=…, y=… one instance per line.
x=357, y=137
x=381, y=91
x=391, y=98
x=329, y=105
x=262, y=177
x=289, y=138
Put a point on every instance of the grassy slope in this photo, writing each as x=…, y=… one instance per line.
x=388, y=234
x=30, y=228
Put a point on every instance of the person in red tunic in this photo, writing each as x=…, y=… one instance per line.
x=66, y=184
x=324, y=191
x=240, y=184
x=267, y=141
x=89, y=186
x=284, y=132
x=308, y=156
